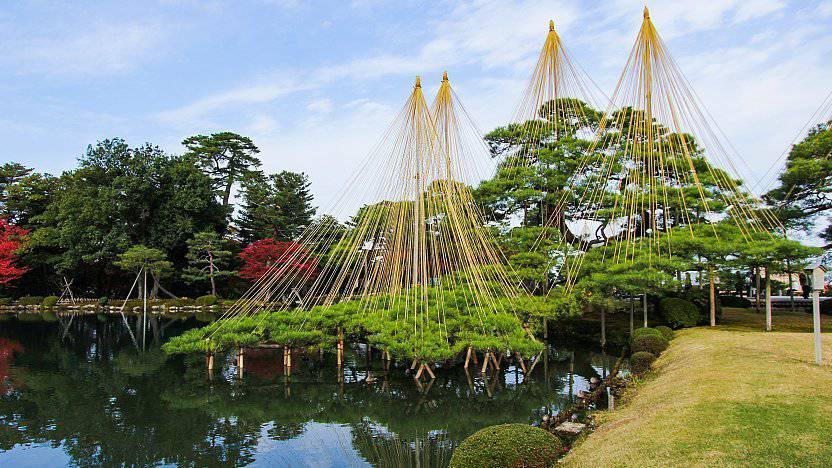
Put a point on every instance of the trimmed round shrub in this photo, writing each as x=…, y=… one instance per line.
x=103, y=300
x=30, y=300
x=4, y=301
x=666, y=332
x=646, y=331
x=735, y=301
x=701, y=298
x=651, y=343
x=679, y=313
x=641, y=361
x=508, y=445
x=208, y=300
x=50, y=301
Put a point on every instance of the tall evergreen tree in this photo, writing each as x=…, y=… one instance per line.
x=227, y=157
x=804, y=196
x=278, y=206
x=119, y=197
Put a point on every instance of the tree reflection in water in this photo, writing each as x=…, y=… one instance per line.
x=80, y=387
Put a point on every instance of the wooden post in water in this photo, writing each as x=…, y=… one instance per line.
x=240, y=362
x=144, y=307
x=340, y=347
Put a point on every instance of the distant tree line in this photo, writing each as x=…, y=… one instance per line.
x=124, y=208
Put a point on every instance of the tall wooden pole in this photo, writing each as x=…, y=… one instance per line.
x=816, y=324
x=768, y=299
x=645, y=309
x=712, y=295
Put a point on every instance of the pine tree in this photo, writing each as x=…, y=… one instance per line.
x=207, y=259
x=278, y=206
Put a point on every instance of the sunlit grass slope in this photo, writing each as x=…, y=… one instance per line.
x=730, y=396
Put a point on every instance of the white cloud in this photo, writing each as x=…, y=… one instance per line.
x=320, y=106
x=198, y=110
x=99, y=49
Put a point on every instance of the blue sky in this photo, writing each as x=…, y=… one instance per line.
x=315, y=83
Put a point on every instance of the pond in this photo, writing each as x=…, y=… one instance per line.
x=74, y=390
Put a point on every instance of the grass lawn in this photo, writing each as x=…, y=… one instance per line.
x=734, y=395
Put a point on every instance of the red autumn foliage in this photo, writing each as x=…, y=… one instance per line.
x=12, y=239
x=282, y=258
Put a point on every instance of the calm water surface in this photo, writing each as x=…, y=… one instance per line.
x=77, y=392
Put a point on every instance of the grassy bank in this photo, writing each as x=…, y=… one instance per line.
x=733, y=395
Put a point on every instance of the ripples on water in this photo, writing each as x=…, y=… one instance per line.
x=77, y=392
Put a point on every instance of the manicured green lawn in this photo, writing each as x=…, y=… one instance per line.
x=734, y=395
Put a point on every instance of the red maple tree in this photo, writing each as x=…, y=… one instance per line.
x=282, y=258
x=12, y=239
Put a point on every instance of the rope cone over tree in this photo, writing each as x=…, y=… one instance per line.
x=650, y=168
x=416, y=272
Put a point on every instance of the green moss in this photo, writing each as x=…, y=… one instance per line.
x=508, y=445
x=651, y=343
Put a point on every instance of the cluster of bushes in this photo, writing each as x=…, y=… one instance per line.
x=647, y=344
x=48, y=301
x=679, y=313
x=393, y=323
x=735, y=301
x=508, y=445
x=701, y=299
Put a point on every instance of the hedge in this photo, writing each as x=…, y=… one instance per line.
x=50, y=301
x=30, y=300
x=651, y=343
x=679, y=313
x=646, y=331
x=735, y=301
x=206, y=300
x=666, y=332
x=508, y=445
x=641, y=361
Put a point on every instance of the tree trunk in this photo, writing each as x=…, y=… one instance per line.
x=157, y=286
x=645, y=310
x=227, y=193
x=768, y=299
x=791, y=286
x=603, y=327
x=632, y=314
x=712, y=295
x=211, y=274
